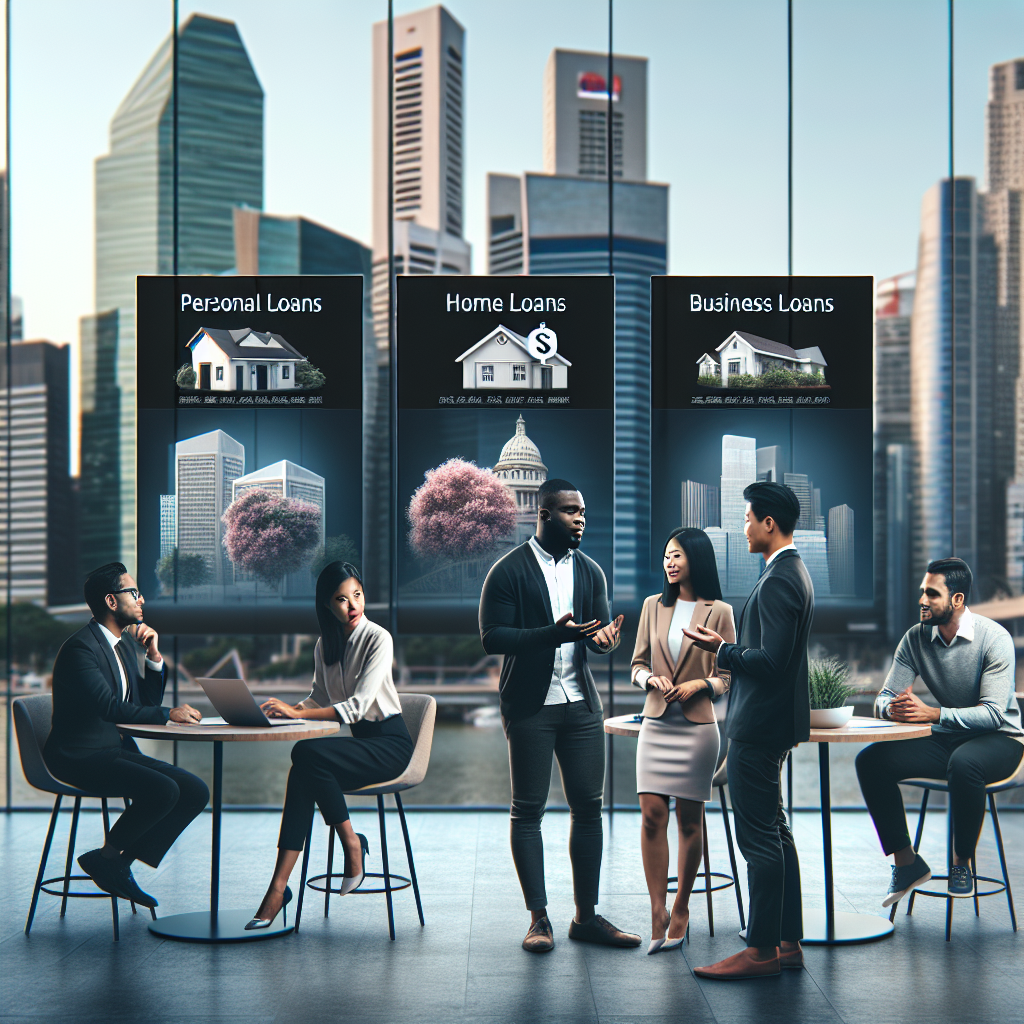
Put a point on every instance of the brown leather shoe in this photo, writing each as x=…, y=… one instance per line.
x=540, y=938
x=793, y=959
x=741, y=965
x=603, y=932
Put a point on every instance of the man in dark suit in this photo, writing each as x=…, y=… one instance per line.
x=97, y=683
x=543, y=605
x=769, y=713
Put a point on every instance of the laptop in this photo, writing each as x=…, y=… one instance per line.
x=236, y=704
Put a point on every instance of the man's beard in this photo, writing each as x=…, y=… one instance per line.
x=940, y=618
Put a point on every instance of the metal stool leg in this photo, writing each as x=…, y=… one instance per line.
x=707, y=872
x=302, y=882
x=1002, y=857
x=917, y=847
x=42, y=864
x=71, y=854
x=732, y=856
x=974, y=875
x=408, y=852
x=106, y=832
x=330, y=868
x=949, y=865
x=387, y=872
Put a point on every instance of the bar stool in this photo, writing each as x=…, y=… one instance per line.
x=32, y=717
x=1014, y=781
x=419, y=711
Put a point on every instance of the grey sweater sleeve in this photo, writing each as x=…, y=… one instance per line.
x=902, y=674
x=995, y=689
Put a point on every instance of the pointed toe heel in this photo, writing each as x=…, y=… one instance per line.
x=351, y=883
x=258, y=924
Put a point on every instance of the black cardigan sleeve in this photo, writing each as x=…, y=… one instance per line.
x=500, y=613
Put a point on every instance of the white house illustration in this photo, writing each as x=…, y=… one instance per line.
x=501, y=360
x=707, y=366
x=749, y=354
x=242, y=360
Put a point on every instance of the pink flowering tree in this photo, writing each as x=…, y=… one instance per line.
x=269, y=535
x=459, y=511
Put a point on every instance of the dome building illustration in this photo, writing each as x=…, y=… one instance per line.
x=521, y=469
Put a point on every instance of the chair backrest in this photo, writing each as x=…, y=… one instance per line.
x=419, y=711
x=32, y=724
x=1013, y=781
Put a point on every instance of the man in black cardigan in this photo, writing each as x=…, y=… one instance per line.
x=769, y=713
x=543, y=605
x=97, y=683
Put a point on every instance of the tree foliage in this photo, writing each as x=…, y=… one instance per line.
x=460, y=511
x=37, y=635
x=270, y=535
x=185, y=376
x=192, y=571
x=307, y=376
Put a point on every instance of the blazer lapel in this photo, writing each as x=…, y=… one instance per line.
x=577, y=590
x=533, y=571
x=750, y=597
x=108, y=652
x=662, y=622
x=701, y=613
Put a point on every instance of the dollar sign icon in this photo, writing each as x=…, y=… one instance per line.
x=542, y=343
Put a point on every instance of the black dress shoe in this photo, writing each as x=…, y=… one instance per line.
x=113, y=875
x=540, y=938
x=602, y=932
x=258, y=923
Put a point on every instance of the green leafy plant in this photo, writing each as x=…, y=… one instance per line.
x=192, y=571
x=307, y=376
x=827, y=678
x=185, y=376
x=710, y=380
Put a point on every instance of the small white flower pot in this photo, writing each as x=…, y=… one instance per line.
x=831, y=718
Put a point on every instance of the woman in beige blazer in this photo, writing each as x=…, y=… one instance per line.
x=679, y=747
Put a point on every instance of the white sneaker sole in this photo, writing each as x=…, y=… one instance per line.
x=895, y=897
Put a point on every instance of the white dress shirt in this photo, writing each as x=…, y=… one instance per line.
x=965, y=629
x=114, y=641
x=559, y=579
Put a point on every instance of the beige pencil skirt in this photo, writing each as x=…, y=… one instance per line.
x=677, y=757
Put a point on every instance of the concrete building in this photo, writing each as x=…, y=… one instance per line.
x=206, y=467
x=769, y=464
x=220, y=166
x=521, y=469
x=739, y=469
x=168, y=524
x=37, y=522
x=842, y=565
x=957, y=507
x=813, y=548
x=899, y=586
x=803, y=488
x=701, y=505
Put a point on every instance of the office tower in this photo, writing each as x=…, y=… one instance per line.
x=739, y=470
x=899, y=587
x=819, y=519
x=521, y=469
x=168, y=524
x=894, y=302
x=37, y=528
x=813, y=549
x=701, y=505
x=557, y=223
x=102, y=442
x=803, y=488
x=1004, y=218
x=744, y=566
x=265, y=243
x=220, y=166
x=958, y=510
x=206, y=467
x=769, y=464
x=841, y=561
x=576, y=115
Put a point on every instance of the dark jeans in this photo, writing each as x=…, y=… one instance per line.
x=575, y=736
x=324, y=770
x=164, y=799
x=764, y=839
x=967, y=763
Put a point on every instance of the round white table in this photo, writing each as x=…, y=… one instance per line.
x=827, y=927
x=216, y=925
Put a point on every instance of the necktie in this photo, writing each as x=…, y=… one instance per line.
x=126, y=658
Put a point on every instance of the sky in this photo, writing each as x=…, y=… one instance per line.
x=870, y=119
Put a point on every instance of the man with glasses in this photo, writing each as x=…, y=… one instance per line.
x=97, y=682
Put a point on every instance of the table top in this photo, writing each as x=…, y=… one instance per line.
x=858, y=730
x=304, y=729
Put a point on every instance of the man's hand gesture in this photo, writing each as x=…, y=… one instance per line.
x=706, y=639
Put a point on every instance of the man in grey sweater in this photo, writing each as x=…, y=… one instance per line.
x=967, y=663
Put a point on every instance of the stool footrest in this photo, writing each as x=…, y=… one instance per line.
x=59, y=880
x=401, y=880
x=729, y=880
x=998, y=882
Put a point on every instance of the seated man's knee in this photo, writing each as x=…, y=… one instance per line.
x=963, y=771
x=870, y=760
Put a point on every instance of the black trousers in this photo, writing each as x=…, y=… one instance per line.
x=967, y=763
x=766, y=842
x=324, y=769
x=575, y=735
x=164, y=799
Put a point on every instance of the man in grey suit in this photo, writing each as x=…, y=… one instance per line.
x=769, y=713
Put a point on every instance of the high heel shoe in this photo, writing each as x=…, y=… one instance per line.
x=256, y=924
x=350, y=883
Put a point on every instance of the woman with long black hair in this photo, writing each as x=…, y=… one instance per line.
x=679, y=746
x=352, y=684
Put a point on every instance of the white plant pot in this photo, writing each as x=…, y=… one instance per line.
x=831, y=718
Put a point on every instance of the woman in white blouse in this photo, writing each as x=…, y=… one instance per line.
x=352, y=683
x=679, y=747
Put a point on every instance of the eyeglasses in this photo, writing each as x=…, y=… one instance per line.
x=129, y=590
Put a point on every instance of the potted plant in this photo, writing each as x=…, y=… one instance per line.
x=829, y=693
